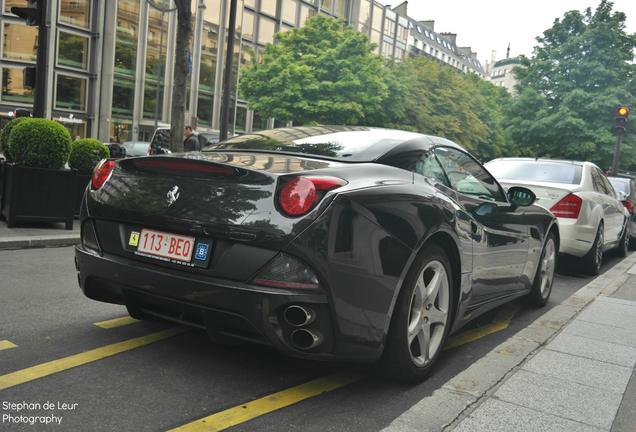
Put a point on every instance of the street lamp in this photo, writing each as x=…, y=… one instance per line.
x=163, y=11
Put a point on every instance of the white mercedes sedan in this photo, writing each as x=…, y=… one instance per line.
x=592, y=219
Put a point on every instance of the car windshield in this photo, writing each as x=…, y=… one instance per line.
x=356, y=144
x=548, y=172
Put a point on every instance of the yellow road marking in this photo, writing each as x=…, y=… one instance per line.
x=501, y=322
x=118, y=322
x=44, y=369
x=5, y=344
x=267, y=404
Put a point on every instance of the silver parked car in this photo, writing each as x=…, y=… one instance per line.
x=591, y=217
x=628, y=186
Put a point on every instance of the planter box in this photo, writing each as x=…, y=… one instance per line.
x=2, y=163
x=38, y=195
x=82, y=182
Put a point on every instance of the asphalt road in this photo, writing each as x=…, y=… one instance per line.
x=57, y=365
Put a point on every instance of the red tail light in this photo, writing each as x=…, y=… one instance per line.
x=568, y=207
x=300, y=194
x=628, y=205
x=102, y=171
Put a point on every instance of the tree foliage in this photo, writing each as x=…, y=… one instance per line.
x=570, y=89
x=436, y=100
x=318, y=73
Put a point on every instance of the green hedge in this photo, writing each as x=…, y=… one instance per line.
x=4, y=137
x=39, y=143
x=82, y=157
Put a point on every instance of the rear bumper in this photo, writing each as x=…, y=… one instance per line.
x=576, y=238
x=224, y=308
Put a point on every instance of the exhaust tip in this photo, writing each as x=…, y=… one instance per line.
x=298, y=316
x=306, y=339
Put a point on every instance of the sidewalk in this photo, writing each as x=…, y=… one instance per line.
x=568, y=371
x=38, y=234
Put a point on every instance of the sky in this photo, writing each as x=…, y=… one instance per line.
x=488, y=26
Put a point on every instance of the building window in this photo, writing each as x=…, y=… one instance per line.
x=241, y=118
x=326, y=5
x=12, y=89
x=268, y=7
x=306, y=13
x=248, y=26
x=70, y=93
x=75, y=12
x=341, y=8
x=266, y=30
x=72, y=51
x=289, y=11
x=150, y=97
x=123, y=96
x=20, y=42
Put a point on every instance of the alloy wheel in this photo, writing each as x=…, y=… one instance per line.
x=429, y=313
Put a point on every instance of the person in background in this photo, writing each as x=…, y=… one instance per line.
x=191, y=142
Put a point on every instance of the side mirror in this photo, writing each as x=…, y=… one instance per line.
x=521, y=196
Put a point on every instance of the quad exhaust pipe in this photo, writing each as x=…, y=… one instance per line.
x=299, y=316
x=306, y=339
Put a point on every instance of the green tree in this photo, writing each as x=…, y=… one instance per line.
x=443, y=103
x=318, y=73
x=569, y=90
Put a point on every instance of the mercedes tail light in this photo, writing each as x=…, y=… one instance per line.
x=569, y=207
x=300, y=194
x=628, y=205
x=102, y=172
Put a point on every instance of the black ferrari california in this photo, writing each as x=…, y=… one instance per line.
x=337, y=243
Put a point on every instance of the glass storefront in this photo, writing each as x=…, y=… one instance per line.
x=125, y=49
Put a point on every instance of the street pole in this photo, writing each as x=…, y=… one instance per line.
x=617, y=152
x=227, y=82
x=39, y=91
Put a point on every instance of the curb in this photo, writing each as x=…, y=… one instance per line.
x=38, y=242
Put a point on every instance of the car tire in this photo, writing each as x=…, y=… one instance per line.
x=421, y=318
x=594, y=258
x=623, y=245
x=544, y=278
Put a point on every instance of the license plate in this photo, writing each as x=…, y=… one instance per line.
x=166, y=245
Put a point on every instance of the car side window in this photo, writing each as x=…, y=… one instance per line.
x=429, y=167
x=467, y=176
x=608, y=186
x=601, y=184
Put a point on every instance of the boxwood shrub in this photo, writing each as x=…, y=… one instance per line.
x=39, y=143
x=82, y=157
x=4, y=137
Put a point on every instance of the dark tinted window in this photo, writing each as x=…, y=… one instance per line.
x=549, y=172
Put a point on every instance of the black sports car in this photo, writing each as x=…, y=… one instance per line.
x=331, y=243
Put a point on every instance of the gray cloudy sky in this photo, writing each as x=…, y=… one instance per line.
x=488, y=26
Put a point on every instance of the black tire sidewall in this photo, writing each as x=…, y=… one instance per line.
x=396, y=359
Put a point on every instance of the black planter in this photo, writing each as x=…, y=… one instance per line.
x=38, y=195
x=82, y=182
x=2, y=163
